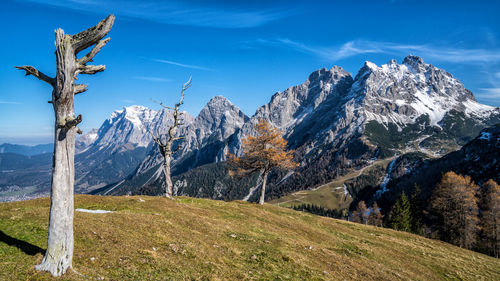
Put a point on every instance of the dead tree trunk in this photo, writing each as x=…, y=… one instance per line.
x=168, y=178
x=59, y=255
x=263, y=189
x=166, y=146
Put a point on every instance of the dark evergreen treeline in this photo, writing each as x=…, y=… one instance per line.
x=321, y=211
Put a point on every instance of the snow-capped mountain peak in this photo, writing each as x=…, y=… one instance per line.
x=400, y=93
x=139, y=115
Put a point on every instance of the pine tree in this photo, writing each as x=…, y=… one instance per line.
x=401, y=214
x=416, y=208
x=490, y=217
x=261, y=153
x=375, y=217
x=454, y=204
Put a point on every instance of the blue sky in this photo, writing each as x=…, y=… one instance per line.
x=244, y=50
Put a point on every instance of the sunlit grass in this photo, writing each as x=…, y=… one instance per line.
x=152, y=238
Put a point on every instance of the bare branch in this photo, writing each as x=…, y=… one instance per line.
x=164, y=106
x=184, y=88
x=178, y=138
x=91, y=36
x=80, y=88
x=153, y=136
x=30, y=70
x=187, y=84
x=91, y=69
x=88, y=57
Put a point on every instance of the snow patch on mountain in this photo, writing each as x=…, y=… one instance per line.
x=473, y=108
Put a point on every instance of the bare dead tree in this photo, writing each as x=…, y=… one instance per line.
x=59, y=255
x=166, y=141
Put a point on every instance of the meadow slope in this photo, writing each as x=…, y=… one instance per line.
x=152, y=238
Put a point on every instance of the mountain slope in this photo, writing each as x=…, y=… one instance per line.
x=479, y=159
x=151, y=238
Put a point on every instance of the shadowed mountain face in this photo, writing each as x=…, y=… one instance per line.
x=479, y=159
x=336, y=123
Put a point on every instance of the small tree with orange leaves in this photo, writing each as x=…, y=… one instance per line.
x=261, y=153
x=455, y=205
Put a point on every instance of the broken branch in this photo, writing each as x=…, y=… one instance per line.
x=30, y=70
x=70, y=122
x=91, y=36
x=80, y=88
x=91, y=69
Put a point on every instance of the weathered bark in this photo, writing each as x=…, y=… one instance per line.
x=263, y=189
x=168, y=178
x=59, y=255
x=166, y=147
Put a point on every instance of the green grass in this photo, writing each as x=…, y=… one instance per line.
x=330, y=195
x=199, y=239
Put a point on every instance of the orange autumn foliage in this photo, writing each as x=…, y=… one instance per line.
x=454, y=203
x=262, y=152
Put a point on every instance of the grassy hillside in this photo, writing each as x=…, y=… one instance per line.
x=152, y=238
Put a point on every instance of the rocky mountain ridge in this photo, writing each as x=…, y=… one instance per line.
x=336, y=123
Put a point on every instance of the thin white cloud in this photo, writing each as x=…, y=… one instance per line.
x=183, y=65
x=9, y=102
x=153, y=79
x=489, y=93
x=357, y=47
x=175, y=12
